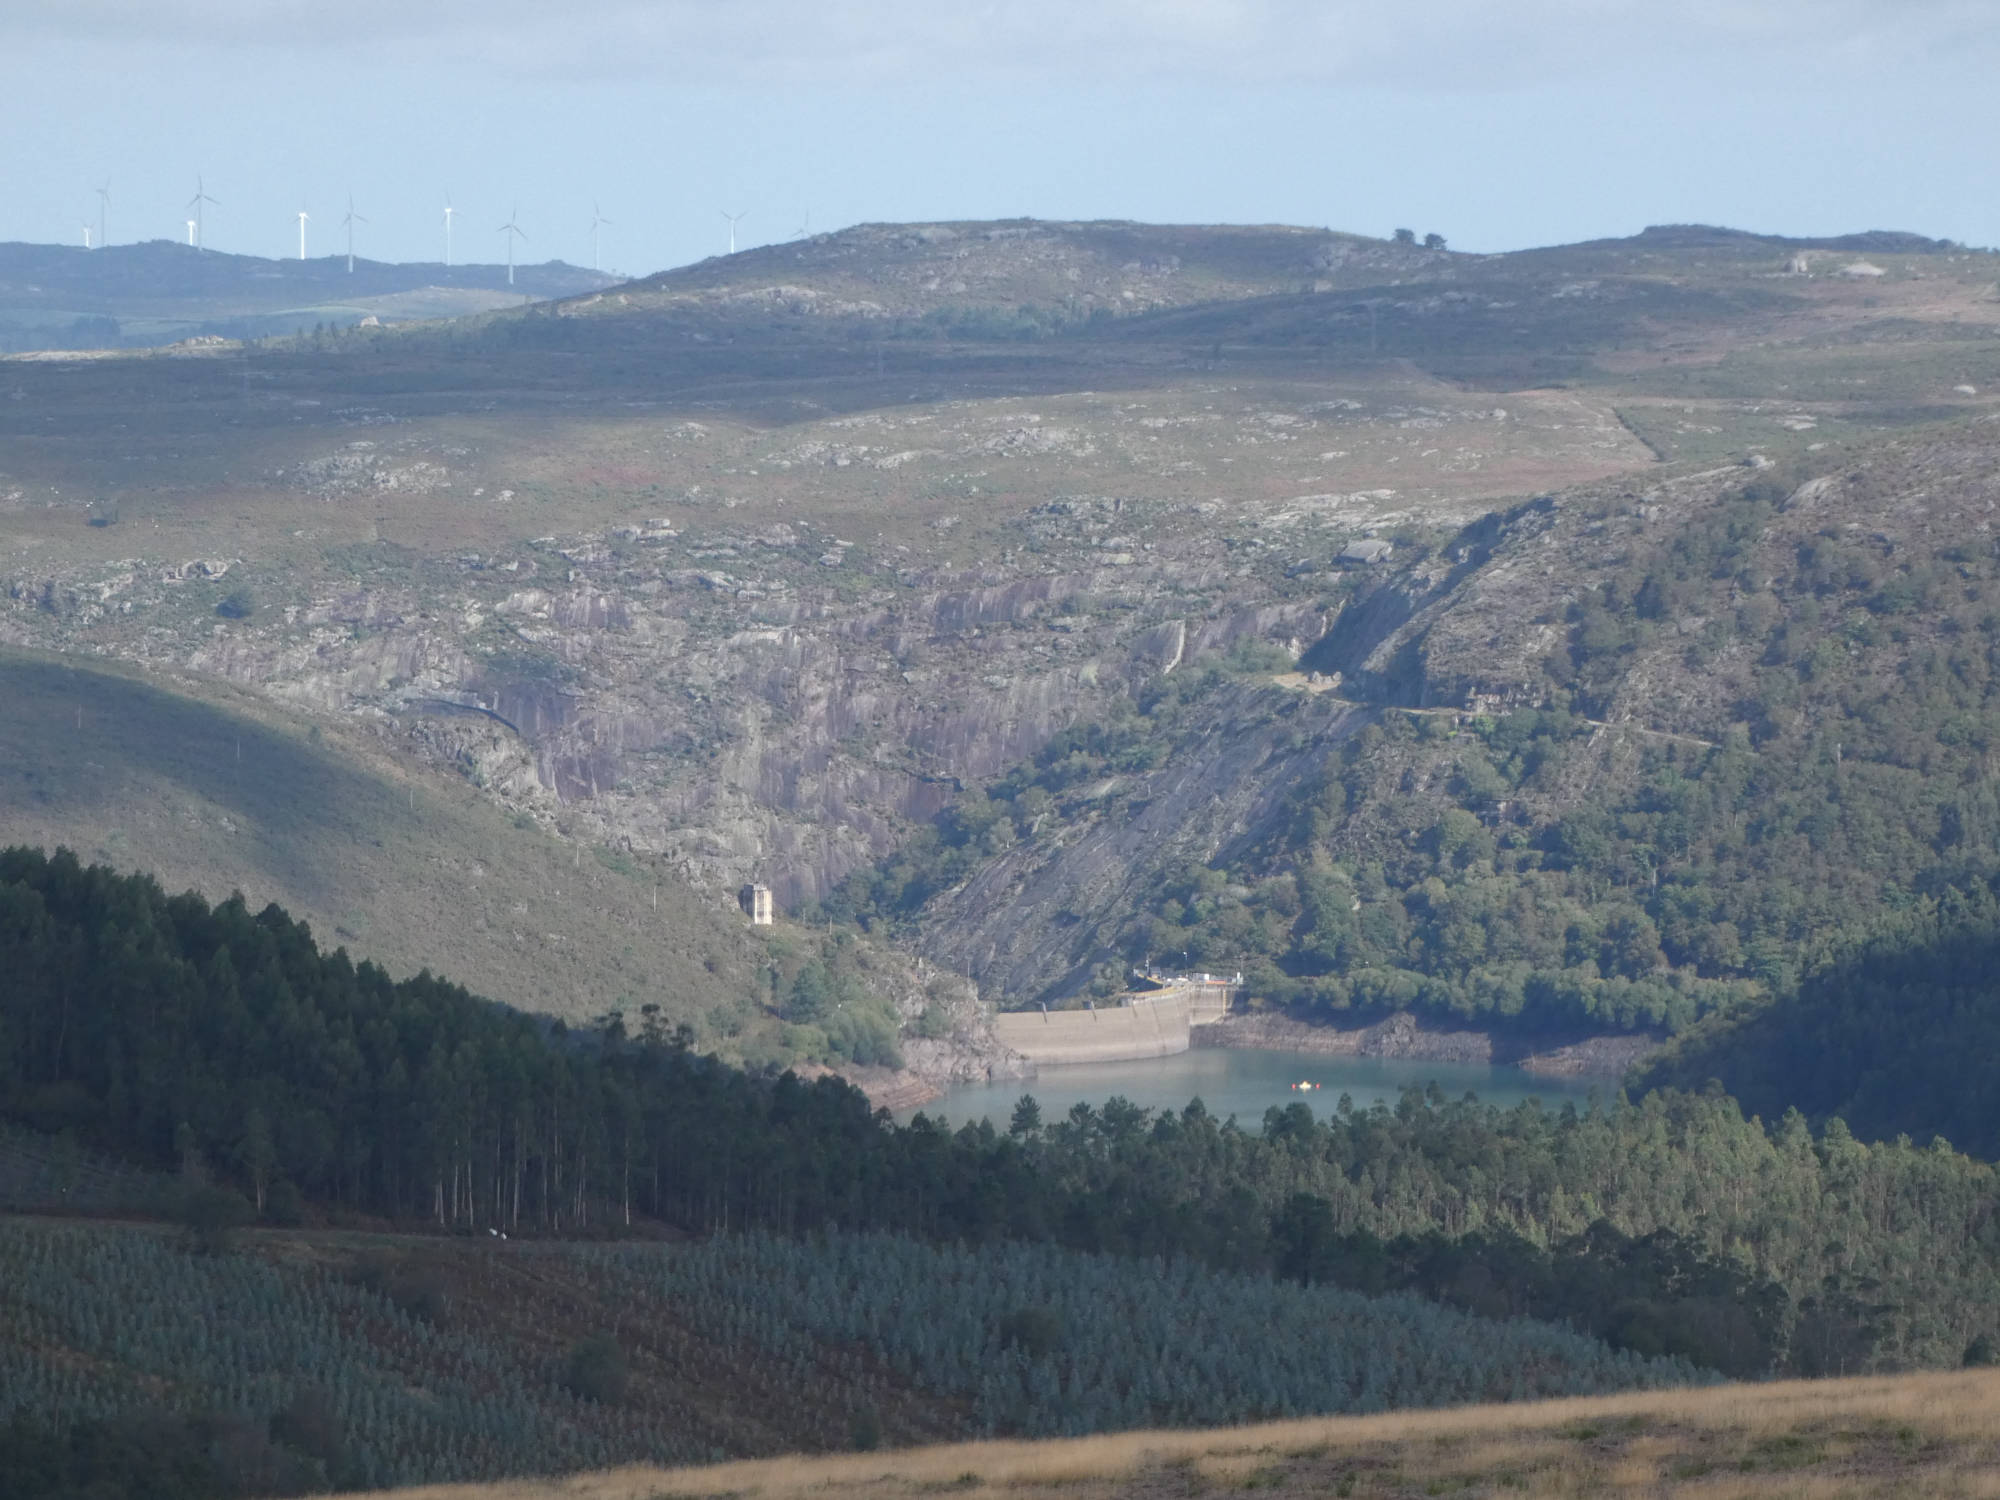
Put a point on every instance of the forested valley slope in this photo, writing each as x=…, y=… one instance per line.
x=1617, y=763
x=211, y=1066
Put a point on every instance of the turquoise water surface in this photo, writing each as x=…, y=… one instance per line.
x=1245, y=1082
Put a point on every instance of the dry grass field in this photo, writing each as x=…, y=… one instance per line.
x=1916, y=1435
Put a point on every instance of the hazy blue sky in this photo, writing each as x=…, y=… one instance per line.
x=1498, y=123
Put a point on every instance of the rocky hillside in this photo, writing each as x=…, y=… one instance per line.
x=1619, y=757
x=1040, y=652
x=1039, y=273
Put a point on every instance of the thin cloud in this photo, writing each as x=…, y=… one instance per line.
x=1449, y=43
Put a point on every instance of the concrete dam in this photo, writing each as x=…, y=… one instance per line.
x=1156, y=1023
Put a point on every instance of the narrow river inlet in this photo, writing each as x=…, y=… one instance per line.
x=1245, y=1082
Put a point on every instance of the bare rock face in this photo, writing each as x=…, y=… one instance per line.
x=737, y=724
x=714, y=700
x=717, y=698
x=1037, y=921
x=946, y=1039
x=972, y=1057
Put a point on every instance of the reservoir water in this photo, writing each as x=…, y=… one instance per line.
x=1245, y=1082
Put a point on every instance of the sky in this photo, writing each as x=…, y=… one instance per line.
x=1497, y=123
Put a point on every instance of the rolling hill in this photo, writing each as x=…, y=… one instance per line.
x=59, y=297
x=1915, y=1435
x=761, y=583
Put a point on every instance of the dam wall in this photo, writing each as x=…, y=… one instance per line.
x=1149, y=1025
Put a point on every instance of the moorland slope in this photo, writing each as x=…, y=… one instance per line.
x=782, y=587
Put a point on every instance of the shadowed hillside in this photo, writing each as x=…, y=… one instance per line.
x=213, y=789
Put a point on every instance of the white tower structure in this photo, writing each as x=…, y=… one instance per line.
x=350, y=221
x=597, y=222
x=195, y=206
x=512, y=231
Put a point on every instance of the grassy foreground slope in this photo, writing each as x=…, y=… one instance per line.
x=1929, y=1435
x=211, y=788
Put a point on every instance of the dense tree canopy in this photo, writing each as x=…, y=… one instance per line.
x=1449, y=863
x=1895, y=1035
x=189, y=1036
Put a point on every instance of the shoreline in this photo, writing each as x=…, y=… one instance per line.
x=1401, y=1036
x=1404, y=1036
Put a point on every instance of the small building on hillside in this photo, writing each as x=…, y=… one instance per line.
x=756, y=903
x=1367, y=552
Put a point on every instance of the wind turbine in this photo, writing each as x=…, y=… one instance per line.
x=200, y=197
x=733, y=218
x=103, y=208
x=512, y=231
x=303, y=216
x=190, y=232
x=86, y=236
x=597, y=222
x=448, y=212
x=350, y=221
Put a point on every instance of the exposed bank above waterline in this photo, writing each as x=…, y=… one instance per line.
x=1073, y=1040
x=1404, y=1036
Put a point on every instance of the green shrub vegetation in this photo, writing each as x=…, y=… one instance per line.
x=832, y=1013
x=1895, y=1034
x=595, y=1370
x=1841, y=784
x=1444, y=862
